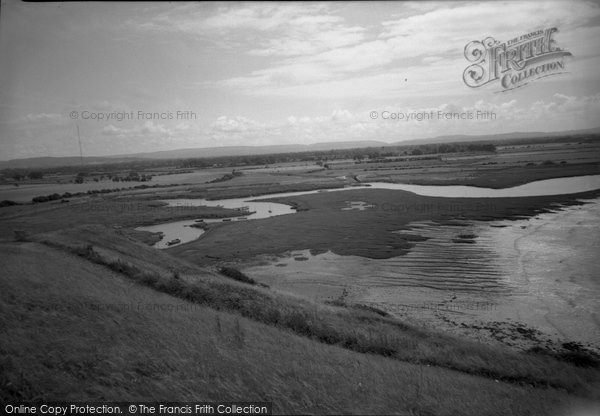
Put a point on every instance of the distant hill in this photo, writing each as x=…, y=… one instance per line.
x=46, y=162
x=252, y=150
x=53, y=162
x=495, y=137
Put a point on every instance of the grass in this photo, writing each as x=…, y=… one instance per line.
x=370, y=233
x=102, y=210
x=98, y=316
x=108, y=339
x=358, y=330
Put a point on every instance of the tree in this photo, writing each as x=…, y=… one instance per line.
x=35, y=175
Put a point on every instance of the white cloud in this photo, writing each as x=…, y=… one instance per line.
x=51, y=118
x=236, y=124
x=566, y=107
x=284, y=73
x=432, y=39
x=561, y=113
x=147, y=129
x=265, y=29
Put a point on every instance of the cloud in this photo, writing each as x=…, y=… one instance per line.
x=236, y=125
x=264, y=29
x=47, y=118
x=148, y=128
x=559, y=112
x=268, y=73
x=432, y=38
x=564, y=107
x=562, y=112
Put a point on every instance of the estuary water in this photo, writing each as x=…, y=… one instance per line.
x=542, y=273
x=523, y=280
x=255, y=208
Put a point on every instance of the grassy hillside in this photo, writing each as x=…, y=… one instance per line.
x=140, y=324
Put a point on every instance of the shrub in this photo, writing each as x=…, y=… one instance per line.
x=21, y=235
x=297, y=322
x=35, y=175
x=236, y=275
x=40, y=199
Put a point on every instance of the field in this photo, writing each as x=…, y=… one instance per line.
x=91, y=311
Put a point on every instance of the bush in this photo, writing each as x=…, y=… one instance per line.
x=578, y=358
x=297, y=322
x=227, y=176
x=21, y=235
x=35, y=175
x=40, y=199
x=8, y=203
x=577, y=354
x=236, y=275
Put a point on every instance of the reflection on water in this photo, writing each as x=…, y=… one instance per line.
x=557, y=186
x=184, y=232
x=174, y=230
x=247, y=206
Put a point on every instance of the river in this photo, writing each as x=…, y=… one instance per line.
x=521, y=282
x=182, y=231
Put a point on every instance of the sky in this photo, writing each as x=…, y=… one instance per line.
x=143, y=77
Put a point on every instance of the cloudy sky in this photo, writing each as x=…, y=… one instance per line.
x=274, y=73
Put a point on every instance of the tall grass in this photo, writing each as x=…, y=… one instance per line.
x=235, y=274
x=60, y=346
x=362, y=330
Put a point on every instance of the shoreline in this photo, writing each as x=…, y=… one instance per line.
x=500, y=178
x=523, y=318
x=321, y=225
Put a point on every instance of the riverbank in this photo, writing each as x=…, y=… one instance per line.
x=418, y=258
x=483, y=176
x=323, y=225
x=124, y=212
x=523, y=283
